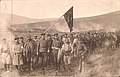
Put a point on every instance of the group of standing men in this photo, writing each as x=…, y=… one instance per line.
x=55, y=50
x=51, y=50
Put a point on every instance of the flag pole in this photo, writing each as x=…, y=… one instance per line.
x=53, y=24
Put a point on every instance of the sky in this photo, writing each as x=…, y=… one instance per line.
x=41, y=9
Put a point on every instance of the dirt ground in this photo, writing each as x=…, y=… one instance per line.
x=103, y=64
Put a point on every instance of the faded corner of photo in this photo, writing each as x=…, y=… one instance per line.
x=59, y=38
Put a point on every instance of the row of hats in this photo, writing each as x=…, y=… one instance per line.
x=16, y=38
x=42, y=34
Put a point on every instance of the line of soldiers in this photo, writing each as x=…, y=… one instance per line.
x=55, y=50
x=98, y=40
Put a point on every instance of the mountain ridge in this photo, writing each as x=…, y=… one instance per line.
x=105, y=21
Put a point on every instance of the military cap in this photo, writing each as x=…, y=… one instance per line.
x=48, y=35
x=16, y=38
x=42, y=34
x=21, y=37
x=56, y=34
x=65, y=34
x=88, y=32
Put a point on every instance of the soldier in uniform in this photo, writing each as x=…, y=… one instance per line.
x=5, y=54
x=81, y=50
x=95, y=37
x=113, y=40
x=64, y=37
x=42, y=48
x=56, y=46
x=30, y=52
x=22, y=43
x=35, y=39
x=118, y=39
x=74, y=45
x=49, y=51
x=17, y=54
x=99, y=41
x=66, y=50
x=71, y=38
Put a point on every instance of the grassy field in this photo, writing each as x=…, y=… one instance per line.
x=104, y=64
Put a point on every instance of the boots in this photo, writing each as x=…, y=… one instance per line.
x=5, y=67
x=69, y=67
x=31, y=66
x=21, y=68
x=8, y=67
x=16, y=67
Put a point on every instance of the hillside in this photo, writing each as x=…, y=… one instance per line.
x=25, y=20
x=109, y=21
x=104, y=21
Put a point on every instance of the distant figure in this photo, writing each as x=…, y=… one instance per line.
x=5, y=54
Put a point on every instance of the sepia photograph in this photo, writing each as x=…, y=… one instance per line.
x=59, y=38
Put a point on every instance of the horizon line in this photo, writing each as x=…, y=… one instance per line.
x=58, y=17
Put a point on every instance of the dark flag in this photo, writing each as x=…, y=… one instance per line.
x=69, y=18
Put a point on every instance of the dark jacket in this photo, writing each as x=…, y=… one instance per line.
x=49, y=42
x=30, y=47
x=42, y=46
